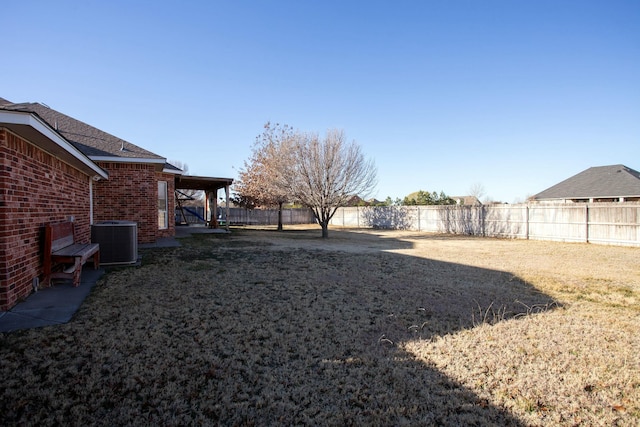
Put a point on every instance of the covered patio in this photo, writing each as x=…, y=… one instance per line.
x=210, y=186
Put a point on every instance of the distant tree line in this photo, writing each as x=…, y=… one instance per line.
x=425, y=198
x=419, y=198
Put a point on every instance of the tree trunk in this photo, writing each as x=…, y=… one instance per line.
x=325, y=229
x=279, y=216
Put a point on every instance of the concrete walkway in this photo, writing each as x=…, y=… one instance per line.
x=54, y=305
x=58, y=303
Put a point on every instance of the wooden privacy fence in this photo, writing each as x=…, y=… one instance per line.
x=241, y=216
x=604, y=223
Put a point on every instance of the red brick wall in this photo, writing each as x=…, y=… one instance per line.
x=35, y=188
x=131, y=194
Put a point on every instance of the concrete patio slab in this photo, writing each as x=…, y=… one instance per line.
x=54, y=305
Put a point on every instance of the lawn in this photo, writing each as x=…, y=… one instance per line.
x=366, y=328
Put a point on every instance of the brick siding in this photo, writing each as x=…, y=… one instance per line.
x=131, y=194
x=35, y=188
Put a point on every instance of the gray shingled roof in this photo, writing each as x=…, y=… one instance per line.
x=596, y=182
x=89, y=140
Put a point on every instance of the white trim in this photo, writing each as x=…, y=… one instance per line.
x=29, y=119
x=117, y=159
x=172, y=171
x=165, y=218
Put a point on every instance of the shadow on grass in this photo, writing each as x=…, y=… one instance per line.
x=238, y=330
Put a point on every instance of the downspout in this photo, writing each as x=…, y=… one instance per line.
x=90, y=201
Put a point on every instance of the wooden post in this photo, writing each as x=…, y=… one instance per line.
x=526, y=222
x=226, y=193
x=205, y=202
x=214, y=209
x=586, y=222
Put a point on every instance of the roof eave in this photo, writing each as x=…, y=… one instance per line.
x=586, y=197
x=190, y=182
x=158, y=163
x=172, y=171
x=33, y=129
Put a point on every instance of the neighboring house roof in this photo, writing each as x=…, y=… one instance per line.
x=467, y=200
x=354, y=201
x=94, y=143
x=600, y=182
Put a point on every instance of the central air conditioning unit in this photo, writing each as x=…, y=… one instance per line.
x=118, y=241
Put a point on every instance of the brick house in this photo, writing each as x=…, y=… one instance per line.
x=612, y=183
x=53, y=168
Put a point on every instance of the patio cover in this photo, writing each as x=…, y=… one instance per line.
x=210, y=186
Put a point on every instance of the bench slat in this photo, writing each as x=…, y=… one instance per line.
x=61, y=243
x=78, y=249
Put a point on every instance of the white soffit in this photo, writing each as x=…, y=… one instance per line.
x=34, y=130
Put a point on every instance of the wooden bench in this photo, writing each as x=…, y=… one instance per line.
x=61, y=249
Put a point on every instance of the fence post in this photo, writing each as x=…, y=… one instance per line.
x=526, y=224
x=586, y=222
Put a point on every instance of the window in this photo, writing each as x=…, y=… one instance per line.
x=163, y=210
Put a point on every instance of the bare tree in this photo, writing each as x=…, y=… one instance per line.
x=324, y=174
x=258, y=183
x=477, y=190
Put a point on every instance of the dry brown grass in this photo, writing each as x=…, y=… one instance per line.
x=375, y=328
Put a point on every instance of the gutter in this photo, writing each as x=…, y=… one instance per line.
x=10, y=119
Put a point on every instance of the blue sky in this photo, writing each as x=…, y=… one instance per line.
x=512, y=95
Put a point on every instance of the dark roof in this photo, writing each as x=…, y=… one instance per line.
x=90, y=141
x=31, y=127
x=466, y=200
x=190, y=182
x=596, y=182
x=171, y=168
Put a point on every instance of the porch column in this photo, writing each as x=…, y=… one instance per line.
x=205, y=203
x=213, y=208
x=226, y=193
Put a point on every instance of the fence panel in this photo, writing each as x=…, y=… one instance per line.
x=506, y=221
x=606, y=223
x=349, y=216
x=560, y=223
x=269, y=216
x=614, y=224
x=460, y=219
x=194, y=215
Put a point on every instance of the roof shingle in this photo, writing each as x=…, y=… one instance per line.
x=90, y=141
x=612, y=181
